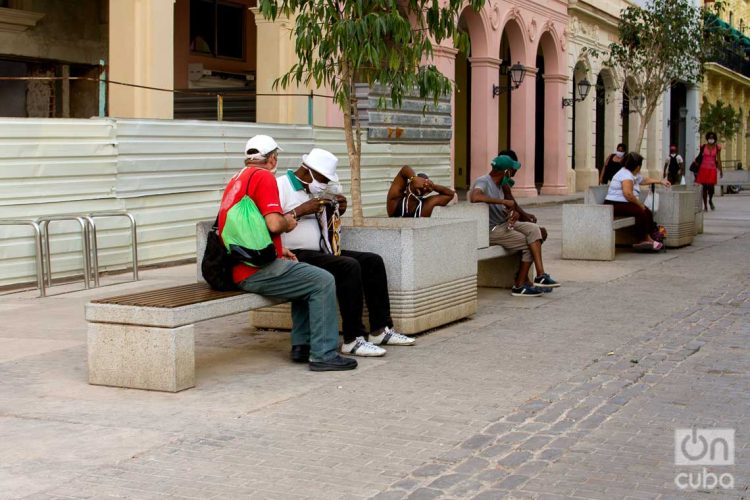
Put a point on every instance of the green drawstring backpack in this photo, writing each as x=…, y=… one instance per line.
x=245, y=234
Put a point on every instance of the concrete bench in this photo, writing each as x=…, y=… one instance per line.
x=588, y=230
x=734, y=177
x=496, y=267
x=146, y=340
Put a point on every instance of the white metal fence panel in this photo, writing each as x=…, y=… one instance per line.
x=168, y=174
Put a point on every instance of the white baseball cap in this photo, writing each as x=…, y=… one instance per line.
x=263, y=143
x=322, y=162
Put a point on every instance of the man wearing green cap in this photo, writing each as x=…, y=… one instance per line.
x=507, y=231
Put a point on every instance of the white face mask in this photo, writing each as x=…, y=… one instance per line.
x=619, y=154
x=316, y=187
x=711, y=141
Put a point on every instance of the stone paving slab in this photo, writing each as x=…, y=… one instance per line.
x=521, y=401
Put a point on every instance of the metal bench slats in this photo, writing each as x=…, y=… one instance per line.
x=172, y=297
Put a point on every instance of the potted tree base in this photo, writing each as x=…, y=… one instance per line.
x=431, y=266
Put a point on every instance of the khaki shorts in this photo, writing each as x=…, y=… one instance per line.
x=516, y=239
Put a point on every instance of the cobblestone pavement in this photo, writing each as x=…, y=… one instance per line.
x=574, y=395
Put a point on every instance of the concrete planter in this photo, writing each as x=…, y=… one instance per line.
x=677, y=214
x=697, y=207
x=431, y=266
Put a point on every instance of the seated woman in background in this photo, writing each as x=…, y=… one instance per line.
x=624, y=195
x=408, y=195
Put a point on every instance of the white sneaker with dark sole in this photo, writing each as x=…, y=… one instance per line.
x=361, y=347
x=391, y=337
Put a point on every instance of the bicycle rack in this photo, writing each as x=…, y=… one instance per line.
x=95, y=249
x=86, y=252
x=38, y=247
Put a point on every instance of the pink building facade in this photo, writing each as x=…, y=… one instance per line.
x=529, y=119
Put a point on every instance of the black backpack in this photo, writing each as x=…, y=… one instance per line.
x=217, y=264
x=673, y=166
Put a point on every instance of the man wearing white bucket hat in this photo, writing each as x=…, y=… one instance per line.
x=311, y=290
x=311, y=196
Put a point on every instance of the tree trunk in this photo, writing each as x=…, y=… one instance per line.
x=641, y=132
x=352, y=143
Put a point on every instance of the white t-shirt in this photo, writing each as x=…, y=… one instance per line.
x=306, y=236
x=615, y=192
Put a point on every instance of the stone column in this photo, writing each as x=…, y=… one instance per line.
x=275, y=57
x=445, y=61
x=586, y=173
x=692, y=139
x=485, y=72
x=666, y=116
x=556, y=169
x=522, y=132
x=141, y=52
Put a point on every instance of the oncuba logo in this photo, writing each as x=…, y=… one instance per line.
x=706, y=447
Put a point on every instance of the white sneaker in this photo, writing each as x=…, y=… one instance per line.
x=391, y=337
x=361, y=347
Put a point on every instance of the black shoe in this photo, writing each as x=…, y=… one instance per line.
x=339, y=363
x=301, y=353
x=711, y=204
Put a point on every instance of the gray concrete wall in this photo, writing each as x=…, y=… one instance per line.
x=70, y=32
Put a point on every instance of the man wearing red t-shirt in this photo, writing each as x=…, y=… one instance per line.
x=311, y=290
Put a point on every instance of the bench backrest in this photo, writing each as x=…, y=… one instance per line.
x=478, y=213
x=595, y=195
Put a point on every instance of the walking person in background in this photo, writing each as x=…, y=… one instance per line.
x=710, y=162
x=612, y=164
x=674, y=167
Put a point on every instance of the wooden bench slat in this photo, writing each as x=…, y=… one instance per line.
x=172, y=297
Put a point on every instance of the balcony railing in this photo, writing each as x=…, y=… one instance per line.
x=733, y=59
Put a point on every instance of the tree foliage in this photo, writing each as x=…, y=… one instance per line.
x=720, y=118
x=342, y=42
x=660, y=44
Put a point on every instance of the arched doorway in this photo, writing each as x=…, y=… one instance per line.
x=504, y=100
x=601, y=105
x=607, y=132
x=539, y=126
x=473, y=76
x=462, y=118
x=678, y=117
x=551, y=138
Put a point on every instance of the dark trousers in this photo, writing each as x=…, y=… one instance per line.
x=356, y=274
x=644, y=219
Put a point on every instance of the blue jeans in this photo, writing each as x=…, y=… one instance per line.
x=313, y=294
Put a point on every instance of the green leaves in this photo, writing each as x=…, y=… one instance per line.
x=379, y=41
x=660, y=43
x=719, y=118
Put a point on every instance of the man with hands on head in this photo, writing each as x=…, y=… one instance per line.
x=304, y=194
x=311, y=289
x=409, y=193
